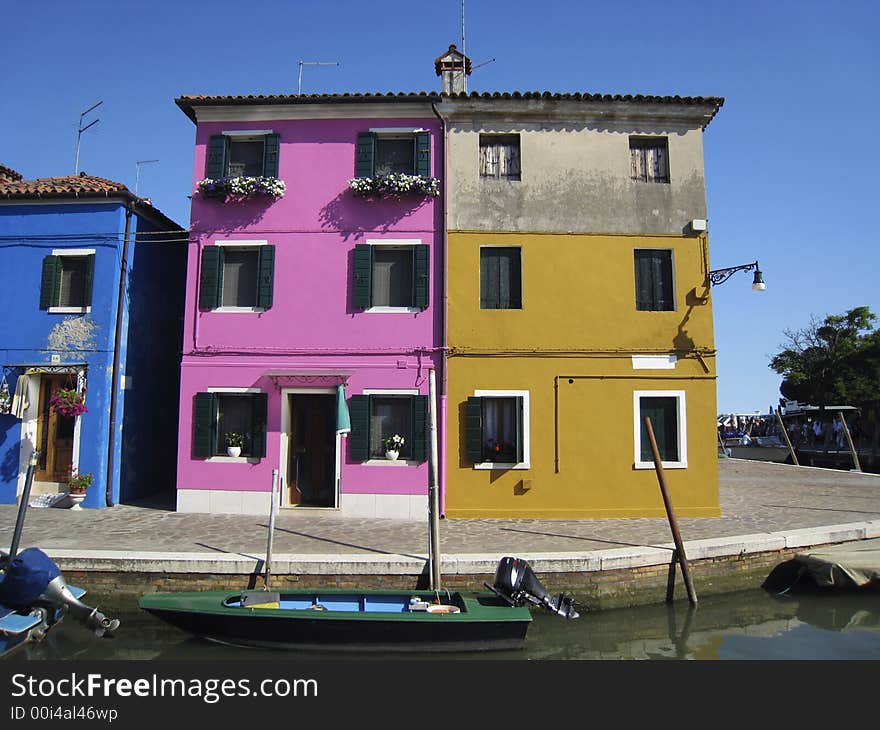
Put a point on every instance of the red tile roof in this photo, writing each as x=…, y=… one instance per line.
x=9, y=173
x=69, y=185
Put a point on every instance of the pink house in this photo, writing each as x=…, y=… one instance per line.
x=311, y=324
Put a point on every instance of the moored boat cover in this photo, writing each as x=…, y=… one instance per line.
x=27, y=577
x=843, y=565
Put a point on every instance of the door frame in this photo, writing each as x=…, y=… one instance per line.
x=29, y=422
x=283, y=462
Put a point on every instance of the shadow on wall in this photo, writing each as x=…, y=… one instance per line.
x=238, y=214
x=353, y=216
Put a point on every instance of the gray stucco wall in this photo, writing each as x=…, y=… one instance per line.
x=575, y=169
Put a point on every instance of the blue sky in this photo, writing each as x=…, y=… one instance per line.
x=791, y=160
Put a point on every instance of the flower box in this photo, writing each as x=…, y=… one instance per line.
x=395, y=185
x=237, y=189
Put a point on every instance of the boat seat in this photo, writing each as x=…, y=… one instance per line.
x=14, y=623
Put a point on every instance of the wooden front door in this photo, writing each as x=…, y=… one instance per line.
x=311, y=469
x=54, y=434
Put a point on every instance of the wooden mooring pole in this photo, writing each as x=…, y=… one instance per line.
x=670, y=513
x=787, y=439
x=855, y=454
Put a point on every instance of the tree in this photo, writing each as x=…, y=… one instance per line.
x=835, y=361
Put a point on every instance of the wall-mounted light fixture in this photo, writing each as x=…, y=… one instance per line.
x=719, y=276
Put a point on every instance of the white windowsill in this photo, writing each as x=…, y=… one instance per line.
x=664, y=464
x=392, y=310
x=69, y=310
x=389, y=462
x=502, y=465
x=240, y=310
x=234, y=459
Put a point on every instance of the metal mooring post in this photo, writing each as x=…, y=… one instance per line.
x=670, y=513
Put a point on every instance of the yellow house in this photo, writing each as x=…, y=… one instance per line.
x=578, y=303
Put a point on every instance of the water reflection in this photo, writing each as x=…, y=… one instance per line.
x=747, y=625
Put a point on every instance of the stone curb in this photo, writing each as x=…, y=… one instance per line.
x=459, y=563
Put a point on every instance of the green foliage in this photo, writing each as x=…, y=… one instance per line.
x=832, y=362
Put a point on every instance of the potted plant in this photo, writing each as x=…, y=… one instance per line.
x=77, y=485
x=395, y=185
x=68, y=402
x=240, y=188
x=234, y=443
x=393, y=445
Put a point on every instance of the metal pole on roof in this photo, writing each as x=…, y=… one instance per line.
x=310, y=63
x=82, y=129
x=137, y=173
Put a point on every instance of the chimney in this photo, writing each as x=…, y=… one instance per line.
x=454, y=67
x=8, y=175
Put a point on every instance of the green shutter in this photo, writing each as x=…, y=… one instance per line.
x=218, y=151
x=50, y=283
x=423, y=154
x=474, y=429
x=204, y=425
x=359, y=438
x=271, y=151
x=209, y=281
x=89, y=281
x=259, y=421
x=365, y=154
x=662, y=273
x=363, y=269
x=644, y=287
x=420, y=430
x=520, y=430
x=421, y=274
x=267, y=277
x=663, y=412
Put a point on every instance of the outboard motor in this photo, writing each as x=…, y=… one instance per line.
x=33, y=580
x=516, y=583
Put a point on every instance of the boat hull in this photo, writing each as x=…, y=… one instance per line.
x=345, y=620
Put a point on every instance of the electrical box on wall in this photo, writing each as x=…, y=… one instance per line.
x=698, y=225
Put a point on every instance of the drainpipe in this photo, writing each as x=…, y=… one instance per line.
x=117, y=339
x=444, y=245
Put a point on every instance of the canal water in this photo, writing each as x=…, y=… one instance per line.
x=745, y=625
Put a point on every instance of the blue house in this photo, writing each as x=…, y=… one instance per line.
x=92, y=285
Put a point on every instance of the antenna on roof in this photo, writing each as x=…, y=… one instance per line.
x=310, y=63
x=137, y=174
x=81, y=130
x=463, y=47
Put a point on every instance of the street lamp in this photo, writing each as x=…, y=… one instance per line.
x=719, y=276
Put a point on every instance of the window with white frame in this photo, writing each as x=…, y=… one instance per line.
x=243, y=153
x=67, y=280
x=497, y=429
x=379, y=414
x=237, y=275
x=667, y=411
x=649, y=159
x=392, y=276
x=382, y=152
x=222, y=411
x=499, y=156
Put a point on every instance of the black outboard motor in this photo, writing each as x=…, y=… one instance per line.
x=33, y=580
x=516, y=583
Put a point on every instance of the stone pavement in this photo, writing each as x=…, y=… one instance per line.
x=757, y=499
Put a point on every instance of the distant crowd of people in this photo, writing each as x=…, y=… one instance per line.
x=803, y=430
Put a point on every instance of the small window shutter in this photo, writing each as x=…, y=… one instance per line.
x=421, y=272
x=365, y=154
x=267, y=277
x=89, y=282
x=270, y=155
x=204, y=425
x=218, y=148
x=363, y=267
x=644, y=287
x=359, y=438
x=423, y=154
x=662, y=275
x=259, y=418
x=474, y=429
x=209, y=284
x=419, y=449
x=50, y=283
x=520, y=433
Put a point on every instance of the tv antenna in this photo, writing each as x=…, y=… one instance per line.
x=137, y=174
x=81, y=130
x=310, y=63
x=464, y=52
